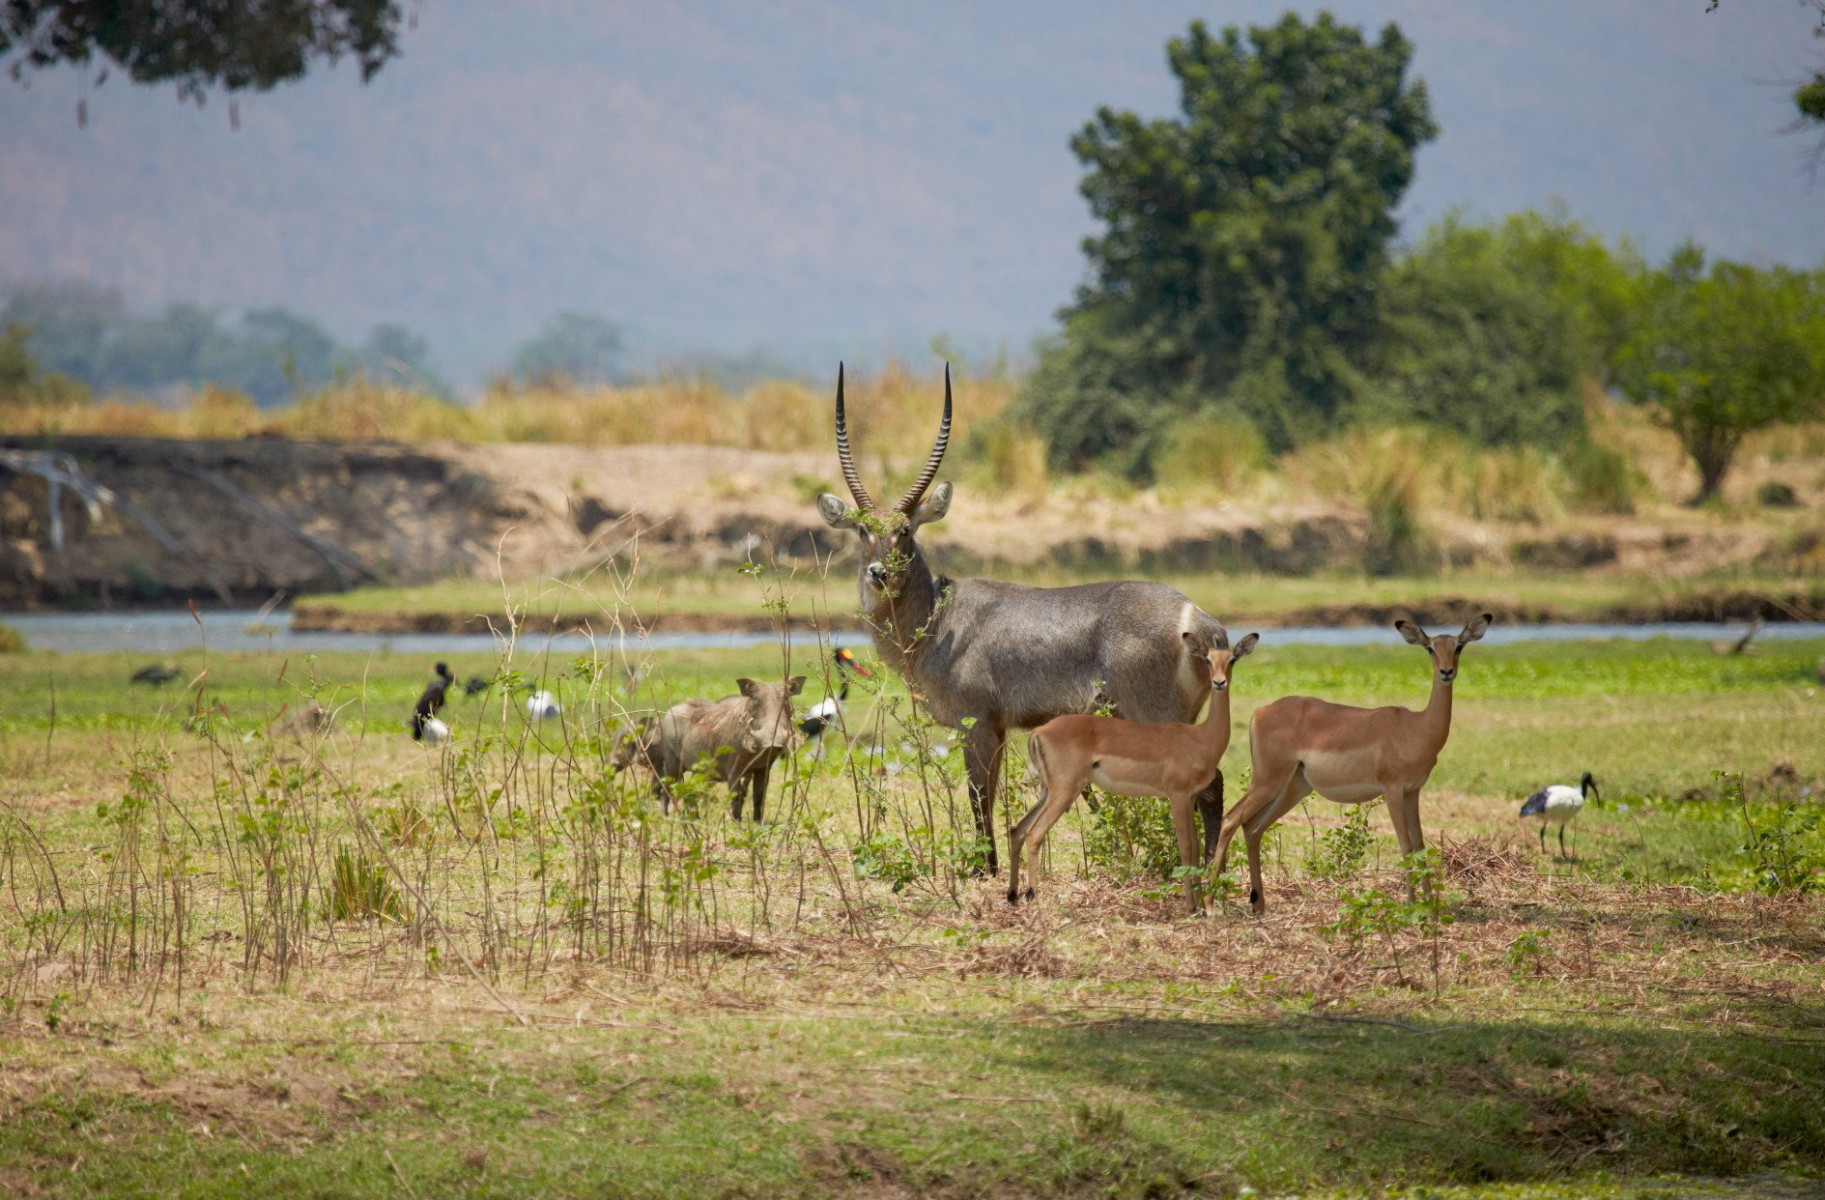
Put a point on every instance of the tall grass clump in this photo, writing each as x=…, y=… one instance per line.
x=361, y=410
x=1011, y=462
x=1602, y=480
x=11, y=641
x=1392, y=474
x=1206, y=455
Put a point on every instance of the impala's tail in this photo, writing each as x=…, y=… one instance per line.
x=1036, y=769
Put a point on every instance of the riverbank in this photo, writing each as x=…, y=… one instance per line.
x=730, y=603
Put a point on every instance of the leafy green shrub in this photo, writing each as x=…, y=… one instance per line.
x=1340, y=852
x=1132, y=837
x=887, y=857
x=1775, y=494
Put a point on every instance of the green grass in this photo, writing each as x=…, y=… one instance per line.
x=1233, y=596
x=1637, y=1022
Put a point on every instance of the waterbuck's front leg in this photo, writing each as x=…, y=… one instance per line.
x=1210, y=806
x=982, y=750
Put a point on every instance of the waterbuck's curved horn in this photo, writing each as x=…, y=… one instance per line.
x=917, y=491
x=842, y=451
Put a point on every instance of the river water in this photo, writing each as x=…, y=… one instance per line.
x=168, y=632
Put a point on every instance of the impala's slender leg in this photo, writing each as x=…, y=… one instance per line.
x=1261, y=793
x=1297, y=788
x=1182, y=824
x=982, y=754
x=1397, y=813
x=1416, y=838
x=1056, y=794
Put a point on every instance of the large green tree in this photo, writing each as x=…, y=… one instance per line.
x=199, y=44
x=1492, y=329
x=1243, y=239
x=1725, y=349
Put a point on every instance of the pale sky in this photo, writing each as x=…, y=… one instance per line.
x=819, y=179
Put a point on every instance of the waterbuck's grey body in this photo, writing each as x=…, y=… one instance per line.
x=987, y=656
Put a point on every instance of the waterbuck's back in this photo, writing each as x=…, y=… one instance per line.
x=1022, y=655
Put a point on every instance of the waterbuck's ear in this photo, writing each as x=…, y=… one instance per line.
x=795, y=685
x=1475, y=629
x=836, y=514
x=1245, y=646
x=747, y=687
x=932, y=509
x=1413, y=633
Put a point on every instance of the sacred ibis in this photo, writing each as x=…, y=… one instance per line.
x=1558, y=805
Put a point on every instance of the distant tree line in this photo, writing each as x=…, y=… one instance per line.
x=1248, y=273
x=85, y=339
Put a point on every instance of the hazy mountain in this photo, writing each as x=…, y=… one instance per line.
x=816, y=179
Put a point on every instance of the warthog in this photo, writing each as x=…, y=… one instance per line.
x=741, y=735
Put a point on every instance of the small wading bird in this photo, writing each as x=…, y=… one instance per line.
x=829, y=711
x=157, y=675
x=425, y=725
x=476, y=684
x=542, y=704
x=1558, y=805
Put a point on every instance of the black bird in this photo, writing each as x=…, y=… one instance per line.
x=430, y=700
x=476, y=684
x=157, y=675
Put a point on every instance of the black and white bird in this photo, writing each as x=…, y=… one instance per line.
x=542, y=704
x=829, y=711
x=1558, y=805
x=425, y=725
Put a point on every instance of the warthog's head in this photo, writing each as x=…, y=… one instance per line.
x=769, y=713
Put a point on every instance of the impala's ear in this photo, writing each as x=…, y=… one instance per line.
x=1413, y=633
x=1475, y=629
x=836, y=514
x=795, y=685
x=1245, y=646
x=747, y=687
x=932, y=509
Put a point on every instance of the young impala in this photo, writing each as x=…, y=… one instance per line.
x=1348, y=755
x=1128, y=758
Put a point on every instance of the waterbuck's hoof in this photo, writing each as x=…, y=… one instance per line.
x=1013, y=895
x=1029, y=893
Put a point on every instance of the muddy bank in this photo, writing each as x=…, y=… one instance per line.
x=1696, y=606
x=107, y=522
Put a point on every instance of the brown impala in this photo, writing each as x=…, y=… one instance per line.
x=1347, y=755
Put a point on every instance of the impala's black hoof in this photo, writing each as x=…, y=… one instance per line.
x=1013, y=895
x=1029, y=893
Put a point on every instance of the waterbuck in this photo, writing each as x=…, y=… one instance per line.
x=741, y=735
x=986, y=656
